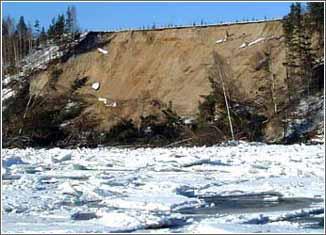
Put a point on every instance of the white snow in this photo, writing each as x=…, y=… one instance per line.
x=67, y=188
x=247, y=187
x=7, y=80
x=112, y=104
x=96, y=86
x=243, y=45
x=39, y=58
x=107, y=103
x=83, y=35
x=104, y=100
x=319, y=139
x=7, y=93
x=258, y=40
x=102, y=51
x=189, y=120
x=221, y=40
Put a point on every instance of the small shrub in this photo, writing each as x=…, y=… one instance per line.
x=124, y=132
x=55, y=74
x=79, y=83
x=11, y=70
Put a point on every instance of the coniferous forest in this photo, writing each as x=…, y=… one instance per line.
x=20, y=38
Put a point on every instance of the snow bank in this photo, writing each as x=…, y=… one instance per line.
x=104, y=100
x=40, y=58
x=248, y=44
x=7, y=93
x=243, y=45
x=256, y=41
x=112, y=104
x=96, y=86
x=102, y=51
x=259, y=40
x=7, y=80
x=220, y=41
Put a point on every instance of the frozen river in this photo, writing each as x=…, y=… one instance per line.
x=249, y=187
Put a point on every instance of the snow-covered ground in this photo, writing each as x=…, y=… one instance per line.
x=249, y=187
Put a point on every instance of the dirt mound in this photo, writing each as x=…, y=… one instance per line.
x=144, y=71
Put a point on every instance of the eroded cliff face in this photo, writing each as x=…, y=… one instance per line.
x=145, y=71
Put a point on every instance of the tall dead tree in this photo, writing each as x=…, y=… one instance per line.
x=221, y=75
x=226, y=103
x=271, y=78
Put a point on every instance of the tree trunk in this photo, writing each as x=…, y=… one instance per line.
x=4, y=52
x=15, y=52
x=272, y=81
x=226, y=103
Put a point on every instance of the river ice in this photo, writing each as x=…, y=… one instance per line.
x=248, y=187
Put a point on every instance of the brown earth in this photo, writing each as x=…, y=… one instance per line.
x=172, y=66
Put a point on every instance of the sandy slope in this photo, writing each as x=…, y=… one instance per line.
x=173, y=65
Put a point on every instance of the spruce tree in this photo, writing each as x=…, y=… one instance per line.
x=51, y=29
x=69, y=21
x=316, y=11
x=21, y=26
x=299, y=56
x=316, y=18
x=37, y=32
x=43, y=36
x=37, y=26
x=60, y=26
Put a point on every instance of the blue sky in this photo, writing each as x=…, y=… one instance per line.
x=108, y=15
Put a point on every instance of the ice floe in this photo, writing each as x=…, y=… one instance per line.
x=235, y=187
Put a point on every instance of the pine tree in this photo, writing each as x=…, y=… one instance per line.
x=5, y=39
x=288, y=28
x=299, y=56
x=36, y=32
x=51, y=29
x=68, y=23
x=57, y=28
x=9, y=42
x=22, y=35
x=316, y=18
x=71, y=26
x=75, y=27
x=37, y=27
x=307, y=59
x=43, y=36
x=316, y=11
x=21, y=26
x=29, y=38
x=60, y=26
